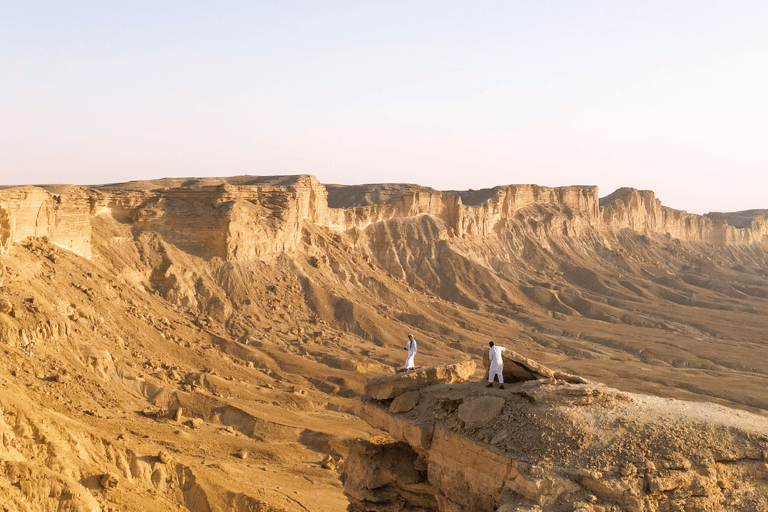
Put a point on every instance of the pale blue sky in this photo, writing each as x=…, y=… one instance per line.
x=669, y=95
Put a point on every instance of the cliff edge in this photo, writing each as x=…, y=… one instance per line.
x=547, y=444
x=252, y=217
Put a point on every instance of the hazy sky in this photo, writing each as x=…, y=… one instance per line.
x=670, y=95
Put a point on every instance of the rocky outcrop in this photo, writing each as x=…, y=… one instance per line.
x=64, y=219
x=398, y=483
x=251, y=219
x=518, y=368
x=550, y=445
x=639, y=210
x=390, y=386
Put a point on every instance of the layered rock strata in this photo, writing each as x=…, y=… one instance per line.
x=260, y=217
x=64, y=219
x=549, y=445
x=256, y=219
x=390, y=386
x=639, y=210
x=471, y=220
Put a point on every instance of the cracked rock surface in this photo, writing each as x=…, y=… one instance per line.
x=556, y=446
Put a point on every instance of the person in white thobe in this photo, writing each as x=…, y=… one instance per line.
x=497, y=364
x=410, y=346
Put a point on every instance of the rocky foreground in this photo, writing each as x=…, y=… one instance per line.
x=548, y=444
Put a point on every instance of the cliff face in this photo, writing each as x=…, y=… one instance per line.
x=32, y=212
x=257, y=221
x=551, y=251
x=471, y=220
x=544, y=444
x=233, y=222
x=247, y=221
x=640, y=211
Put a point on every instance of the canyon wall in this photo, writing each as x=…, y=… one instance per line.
x=231, y=222
x=470, y=220
x=33, y=212
x=639, y=210
x=259, y=219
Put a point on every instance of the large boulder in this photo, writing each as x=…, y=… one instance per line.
x=479, y=411
x=390, y=386
x=404, y=402
x=518, y=368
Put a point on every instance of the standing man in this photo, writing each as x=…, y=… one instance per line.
x=497, y=365
x=410, y=346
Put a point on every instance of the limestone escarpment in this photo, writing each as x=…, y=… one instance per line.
x=547, y=445
x=640, y=211
x=470, y=220
x=64, y=219
x=256, y=220
x=515, y=254
x=742, y=227
x=737, y=219
x=246, y=218
x=434, y=241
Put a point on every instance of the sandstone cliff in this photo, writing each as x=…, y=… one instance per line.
x=64, y=218
x=246, y=218
x=543, y=444
x=257, y=219
x=640, y=211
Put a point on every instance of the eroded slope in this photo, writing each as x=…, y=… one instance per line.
x=257, y=310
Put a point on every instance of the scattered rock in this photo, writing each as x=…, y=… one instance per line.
x=164, y=457
x=329, y=463
x=62, y=378
x=475, y=413
x=404, y=402
x=109, y=481
x=196, y=422
x=6, y=307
